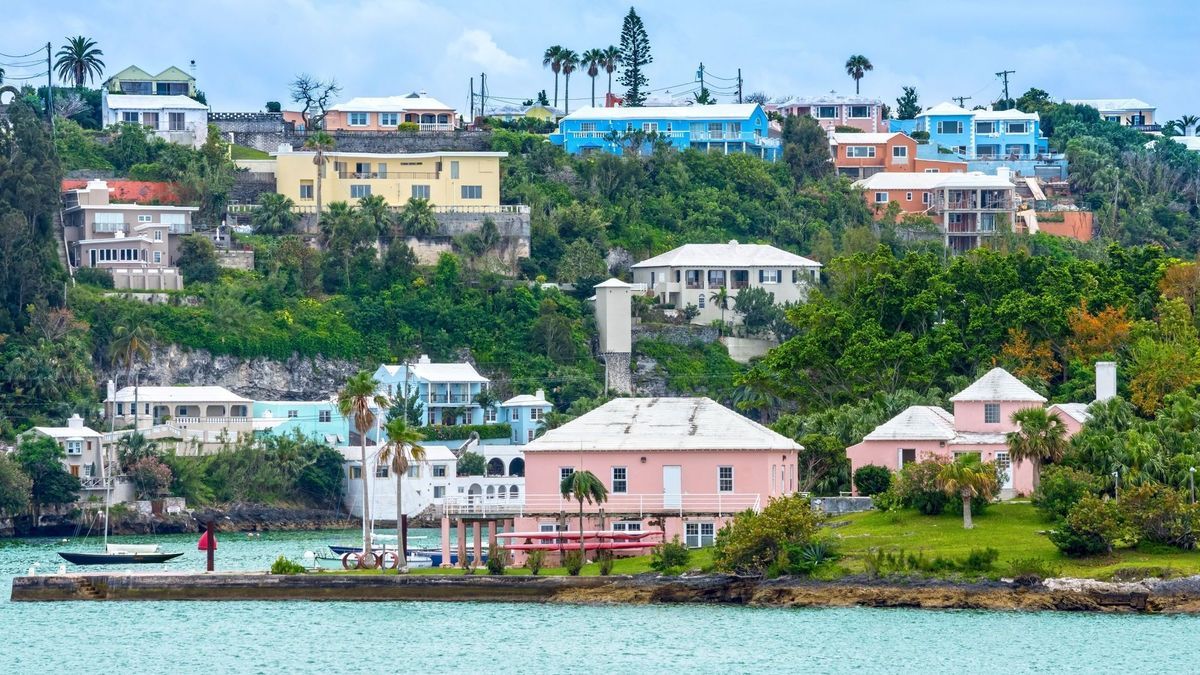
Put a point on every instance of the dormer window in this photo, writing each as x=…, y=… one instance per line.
x=991, y=413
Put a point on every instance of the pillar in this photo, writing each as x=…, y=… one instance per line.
x=462, y=543
x=478, y=527
x=493, y=528
x=445, y=540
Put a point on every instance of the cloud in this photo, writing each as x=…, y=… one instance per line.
x=478, y=46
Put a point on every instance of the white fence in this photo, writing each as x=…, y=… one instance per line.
x=725, y=503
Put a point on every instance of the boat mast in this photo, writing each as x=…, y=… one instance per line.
x=112, y=427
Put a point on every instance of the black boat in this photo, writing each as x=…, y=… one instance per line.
x=120, y=554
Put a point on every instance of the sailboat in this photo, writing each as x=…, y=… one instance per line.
x=117, y=554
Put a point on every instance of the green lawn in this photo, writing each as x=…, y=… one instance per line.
x=1014, y=529
x=243, y=152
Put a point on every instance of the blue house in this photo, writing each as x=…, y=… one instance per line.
x=318, y=420
x=526, y=414
x=988, y=139
x=724, y=128
x=447, y=391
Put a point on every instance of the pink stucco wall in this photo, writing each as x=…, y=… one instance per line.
x=969, y=415
x=887, y=455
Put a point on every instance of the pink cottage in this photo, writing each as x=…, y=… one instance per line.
x=980, y=423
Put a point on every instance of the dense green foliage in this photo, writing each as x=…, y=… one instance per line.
x=437, y=432
x=751, y=542
x=871, y=480
x=670, y=557
x=16, y=488
x=283, y=565
x=51, y=485
x=1061, y=488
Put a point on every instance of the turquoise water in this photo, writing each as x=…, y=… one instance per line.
x=275, y=637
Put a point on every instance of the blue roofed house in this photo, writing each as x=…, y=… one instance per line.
x=723, y=128
x=447, y=391
x=989, y=139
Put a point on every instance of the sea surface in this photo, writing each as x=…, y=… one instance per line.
x=408, y=637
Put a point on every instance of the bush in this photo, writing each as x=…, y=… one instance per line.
x=883, y=562
x=573, y=561
x=888, y=500
x=752, y=541
x=804, y=559
x=438, y=432
x=534, y=561
x=1061, y=488
x=606, y=561
x=94, y=276
x=980, y=560
x=1032, y=570
x=920, y=136
x=871, y=480
x=497, y=557
x=919, y=488
x=284, y=566
x=670, y=557
x=1159, y=514
x=408, y=126
x=1091, y=528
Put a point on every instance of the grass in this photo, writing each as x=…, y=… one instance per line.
x=243, y=152
x=1016, y=530
x=701, y=558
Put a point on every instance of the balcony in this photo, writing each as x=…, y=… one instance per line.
x=452, y=399
x=972, y=204
x=303, y=209
x=1148, y=128
x=179, y=228
x=629, y=505
x=109, y=227
x=387, y=175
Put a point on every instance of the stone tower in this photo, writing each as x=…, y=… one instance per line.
x=614, y=322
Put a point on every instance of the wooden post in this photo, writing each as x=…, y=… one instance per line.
x=212, y=545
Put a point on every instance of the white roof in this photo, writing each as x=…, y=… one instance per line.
x=439, y=372
x=903, y=180
x=726, y=255
x=978, y=438
x=998, y=385
x=1004, y=115
x=526, y=399
x=918, y=422
x=141, y=102
x=68, y=432
x=613, y=283
x=648, y=424
x=851, y=138
x=739, y=111
x=396, y=155
x=1189, y=142
x=1112, y=104
x=829, y=99
x=1076, y=411
x=944, y=108
x=205, y=394
x=391, y=104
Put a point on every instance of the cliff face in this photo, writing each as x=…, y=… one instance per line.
x=298, y=378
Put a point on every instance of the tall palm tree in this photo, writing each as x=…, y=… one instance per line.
x=79, y=61
x=593, y=60
x=131, y=342
x=569, y=61
x=416, y=219
x=377, y=216
x=552, y=59
x=583, y=486
x=402, y=443
x=1188, y=123
x=967, y=478
x=612, y=58
x=274, y=214
x=356, y=399
x=320, y=143
x=720, y=298
x=1041, y=437
x=856, y=67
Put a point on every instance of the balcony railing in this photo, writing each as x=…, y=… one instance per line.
x=211, y=420
x=721, y=504
x=990, y=204
x=386, y=175
x=450, y=398
x=179, y=228
x=303, y=209
x=109, y=227
x=1146, y=127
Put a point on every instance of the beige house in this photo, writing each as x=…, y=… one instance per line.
x=137, y=243
x=170, y=82
x=203, y=418
x=84, y=449
x=692, y=273
x=1128, y=112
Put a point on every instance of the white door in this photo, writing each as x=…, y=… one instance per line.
x=1004, y=468
x=672, y=487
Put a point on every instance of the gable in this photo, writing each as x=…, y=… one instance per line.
x=173, y=73
x=131, y=73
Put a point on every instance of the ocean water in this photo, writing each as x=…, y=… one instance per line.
x=408, y=637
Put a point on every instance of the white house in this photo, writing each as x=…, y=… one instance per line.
x=177, y=119
x=85, y=448
x=1129, y=112
x=690, y=274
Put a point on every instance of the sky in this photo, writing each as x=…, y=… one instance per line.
x=247, y=51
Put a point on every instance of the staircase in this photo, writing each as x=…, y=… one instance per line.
x=62, y=242
x=87, y=590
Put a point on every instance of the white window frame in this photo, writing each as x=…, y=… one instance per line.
x=866, y=112
x=537, y=414
x=381, y=470
x=389, y=119
x=352, y=119
x=158, y=235
x=439, y=470
x=933, y=170
x=414, y=471
x=908, y=196
x=650, y=127
x=1024, y=127
x=293, y=414
x=439, y=491
x=421, y=192
x=721, y=479
x=818, y=109
x=489, y=415
x=699, y=534
x=881, y=197
x=355, y=472
x=359, y=191
x=324, y=416
x=621, y=482
x=306, y=190
x=941, y=126
x=74, y=447
x=991, y=413
x=627, y=526
x=899, y=152
x=454, y=169
x=925, y=197
x=772, y=276
x=472, y=192
x=860, y=151
x=991, y=125
x=158, y=257
x=563, y=472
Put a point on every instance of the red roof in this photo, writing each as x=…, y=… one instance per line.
x=138, y=191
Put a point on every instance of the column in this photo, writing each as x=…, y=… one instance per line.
x=478, y=527
x=462, y=543
x=445, y=540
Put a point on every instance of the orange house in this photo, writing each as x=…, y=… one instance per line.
x=862, y=155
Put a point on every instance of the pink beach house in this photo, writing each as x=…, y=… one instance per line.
x=980, y=423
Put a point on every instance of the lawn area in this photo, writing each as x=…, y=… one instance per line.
x=1014, y=529
x=243, y=152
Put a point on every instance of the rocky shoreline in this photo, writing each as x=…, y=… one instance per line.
x=233, y=517
x=1075, y=595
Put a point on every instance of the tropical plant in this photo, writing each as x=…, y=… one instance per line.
x=79, y=61
x=283, y=565
x=15, y=487
x=376, y=215
x=356, y=400
x=41, y=459
x=583, y=486
x=1061, y=488
x=133, y=447
x=402, y=442
x=1041, y=437
x=593, y=61
x=416, y=218
x=1187, y=124
x=908, y=105
x=274, y=214
x=752, y=542
x=573, y=562
x=552, y=59
x=967, y=478
x=497, y=557
x=568, y=62
x=720, y=298
x=856, y=67
x=635, y=56
x=612, y=59
x=534, y=561
x=1092, y=527
x=132, y=341
x=319, y=143
x=670, y=557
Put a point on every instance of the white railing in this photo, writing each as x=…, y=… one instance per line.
x=435, y=126
x=727, y=503
x=502, y=208
x=211, y=420
x=108, y=227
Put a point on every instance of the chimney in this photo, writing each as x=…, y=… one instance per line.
x=424, y=360
x=1106, y=380
x=76, y=422
x=540, y=394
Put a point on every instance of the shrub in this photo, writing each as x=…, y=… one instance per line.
x=1027, y=570
x=919, y=488
x=534, y=561
x=438, y=432
x=804, y=559
x=1061, y=488
x=670, y=557
x=497, y=557
x=871, y=480
x=94, y=276
x=884, y=562
x=284, y=566
x=920, y=136
x=1159, y=514
x=408, y=126
x=1091, y=528
x=980, y=560
x=888, y=500
x=573, y=561
x=606, y=561
x=752, y=541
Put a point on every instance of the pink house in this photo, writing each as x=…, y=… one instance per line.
x=980, y=423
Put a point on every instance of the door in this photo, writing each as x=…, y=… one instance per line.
x=1004, y=469
x=672, y=487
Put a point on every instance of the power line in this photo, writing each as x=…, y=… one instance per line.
x=22, y=56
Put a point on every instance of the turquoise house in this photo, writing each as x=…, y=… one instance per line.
x=526, y=414
x=318, y=420
x=988, y=139
x=723, y=128
x=447, y=391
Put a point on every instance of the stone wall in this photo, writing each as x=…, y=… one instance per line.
x=836, y=505
x=618, y=374
x=676, y=334
x=248, y=185
x=236, y=260
x=402, y=141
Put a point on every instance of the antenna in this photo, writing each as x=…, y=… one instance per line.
x=1004, y=74
x=960, y=100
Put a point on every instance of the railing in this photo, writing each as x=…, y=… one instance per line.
x=312, y=208
x=973, y=205
x=1146, y=127
x=177, y=228
x=211, y=420
x=436, y=126
x=109, y=227
x=722, y=504
x=385, y=175
x=450, y=398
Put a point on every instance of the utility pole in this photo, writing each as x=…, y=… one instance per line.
x=700, y=76
x=472, y=100
x=961, y=100
x=483, y=94
x=739, y=85
x=49, y=89
x=1004, y=74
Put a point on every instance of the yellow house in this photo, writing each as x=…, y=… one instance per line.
x=445, y=179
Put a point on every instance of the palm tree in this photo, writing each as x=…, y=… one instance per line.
x=274, y=214
x=552, y=59
x=374, y=211
x=593, y=60
x=131, y=342
x=856, y=67
x=416, y=219
x=1188, y=123
x=569, y=62
x=967, y=478
x=357, y=397
x=612, y=58
x=581, y=486
x=79, y=61
x=1041, y=437
x=720, y=298
x=320, y=143
x=403, y=442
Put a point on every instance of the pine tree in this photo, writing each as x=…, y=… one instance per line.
x=635, y=55
x=907, y=106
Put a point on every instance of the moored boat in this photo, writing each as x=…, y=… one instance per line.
x=120, y=554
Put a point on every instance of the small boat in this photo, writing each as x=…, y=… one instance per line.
x=120, y=554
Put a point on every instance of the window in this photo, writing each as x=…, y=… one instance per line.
x=439, y=470
x=489, y=415
x=826, y=112
x=985, y=127
x=860, y=151
x=907, y=456
x=693, y=279
x=552, y=527
x=74, y=447
x=529, y=436
x=933, y=170
x=650, y=127
x=514, y=415
x=924, y=197
x=158, y=235
x=363, y=170
x=627, y=526
x=899, y=152
x=472, y=192
x=355, y=472
x=881, y=197
x=536, y=414
x=389, y=119
x=293, y=414
x=414, y=470
x=324, y=416
x=129, y=117
x=991, y=413
x=306, y=189
x=150, y=120
x=439, y=491
x=420, y=192
x=699, y=535
x=770, y=276
x=620, y=480
x=1017, y=128
x=587, y=127
x=454, y=169
x=381, y=470
x=157, y=255
x=716, y=278
x=724, y=479
x=949, y=127
x=563, y=472
x=908, y=196
x=860, y=111
x=358, y=119
x=175, y=121
x=701, y=301
x=360, y=191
